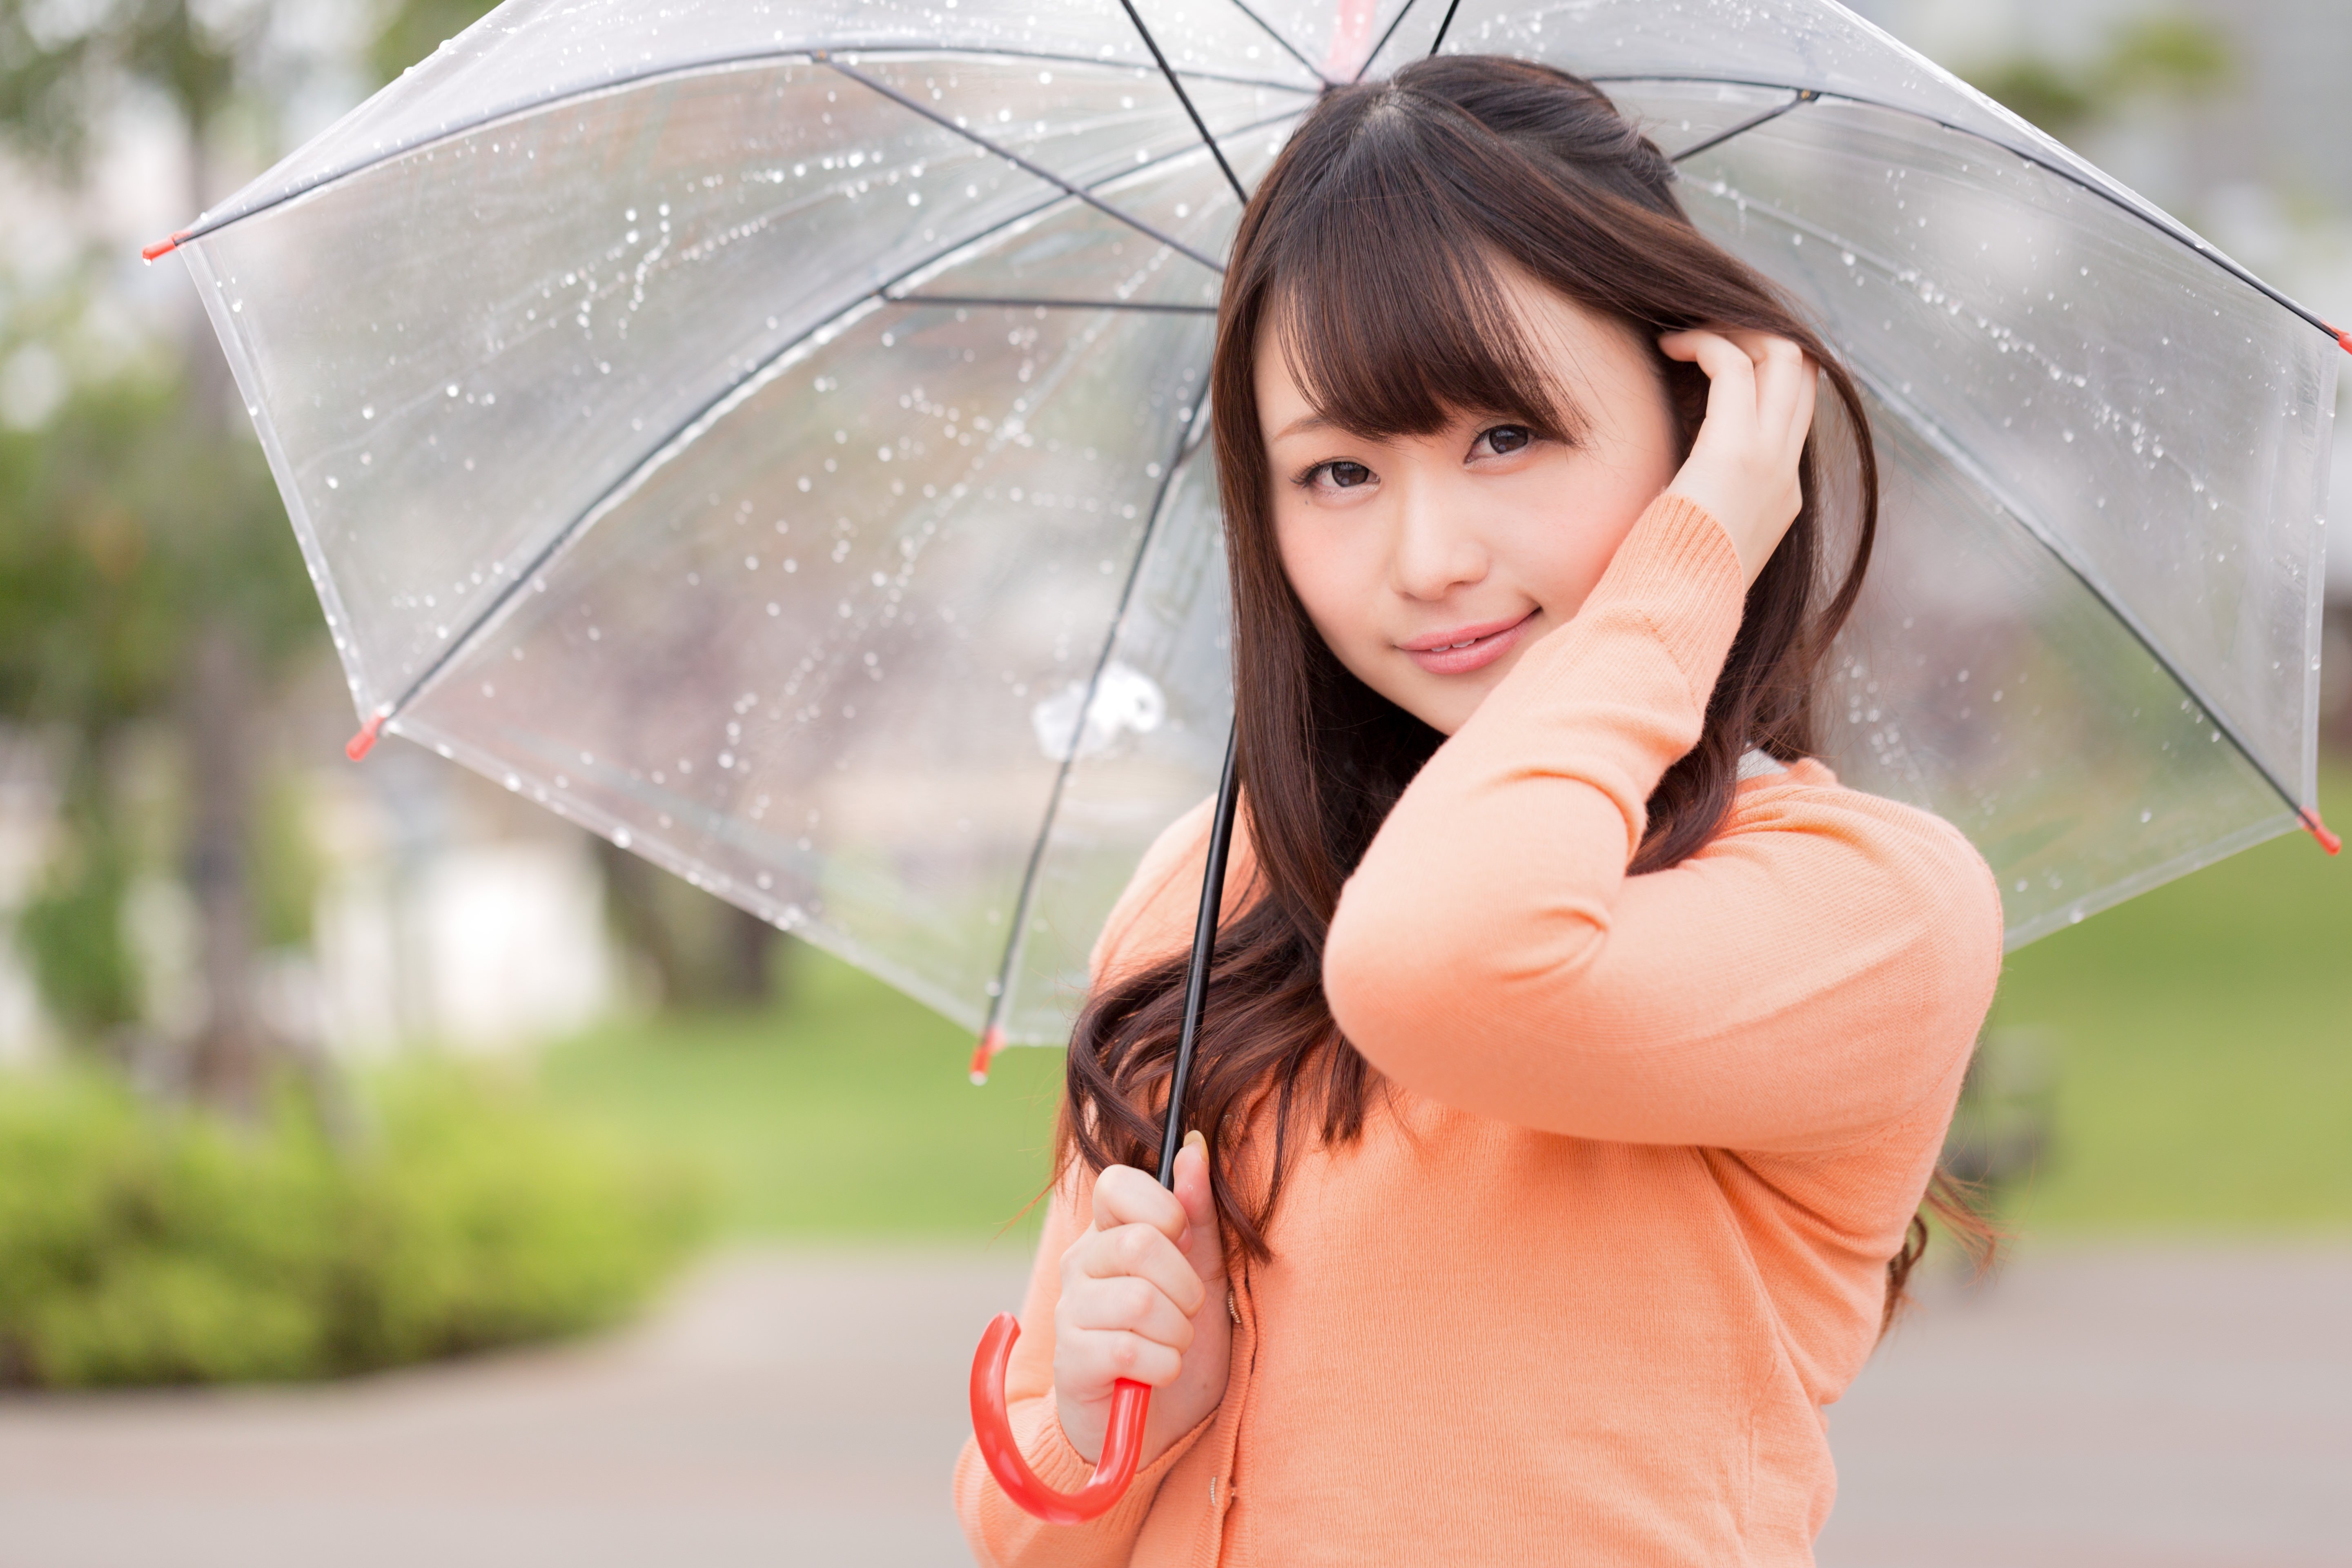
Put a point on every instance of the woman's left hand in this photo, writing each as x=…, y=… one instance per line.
x=1743, y=467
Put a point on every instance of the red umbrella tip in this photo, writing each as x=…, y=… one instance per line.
x=992, y=1040
x=2345, y=338
x=361, y=744
x=163, y=248
x=2327, y=841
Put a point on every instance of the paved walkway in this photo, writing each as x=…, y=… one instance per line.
x=2156, y=1408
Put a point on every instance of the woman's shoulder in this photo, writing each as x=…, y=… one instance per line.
x=1802, y=809
x=1154, y=914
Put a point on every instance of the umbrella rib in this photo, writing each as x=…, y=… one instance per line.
x=1438, y=42
x=1042, y=303
x=1185, y=98
x=464, y=641
x=2163, y=226
x=1018, y=162
x=205, y=226
x=1957, y=456
x=1720, y=137
x=991, y=1033
x=1386, y=33
x=1288, y=46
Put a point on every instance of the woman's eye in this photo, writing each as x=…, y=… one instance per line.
x=1504, y=439
x=1341, y=476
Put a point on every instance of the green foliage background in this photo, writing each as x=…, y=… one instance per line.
x=140, y=1245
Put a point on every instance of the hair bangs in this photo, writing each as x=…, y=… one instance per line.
x=1390, y=309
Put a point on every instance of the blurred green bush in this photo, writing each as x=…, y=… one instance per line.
x=140, y=1244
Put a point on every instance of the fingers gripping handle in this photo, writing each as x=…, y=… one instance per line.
x=992, y=1426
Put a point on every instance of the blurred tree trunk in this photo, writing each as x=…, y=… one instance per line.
x=231, y=1055
x=704, y=952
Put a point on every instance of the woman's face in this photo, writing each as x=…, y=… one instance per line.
x=1429, y=563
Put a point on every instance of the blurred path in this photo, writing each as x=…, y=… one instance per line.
x=2144, y=1407
x=2154, y=1408
x=788, y=1409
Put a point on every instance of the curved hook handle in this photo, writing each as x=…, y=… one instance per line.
x=993, y=1426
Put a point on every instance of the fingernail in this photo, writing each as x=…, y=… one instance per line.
x=1193, y=1140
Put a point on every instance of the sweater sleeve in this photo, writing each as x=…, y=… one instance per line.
x=1814, y=972
x=999, y=1534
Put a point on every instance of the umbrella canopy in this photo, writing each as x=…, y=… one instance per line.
x=771, y=436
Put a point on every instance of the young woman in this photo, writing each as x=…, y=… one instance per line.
x=1578, y=1050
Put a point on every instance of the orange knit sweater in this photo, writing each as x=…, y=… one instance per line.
x=1580, y=1292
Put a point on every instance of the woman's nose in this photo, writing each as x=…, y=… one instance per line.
x=1433, y=550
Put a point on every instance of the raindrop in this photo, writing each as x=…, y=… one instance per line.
x=775, y=608
x=368, y=412
x=805, y=488
x=451, y=389
x=621, y=837
x=2147, y=817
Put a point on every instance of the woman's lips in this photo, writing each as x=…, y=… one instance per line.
x=1468, y=648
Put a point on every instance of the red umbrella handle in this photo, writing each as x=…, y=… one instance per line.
x=993, y=1426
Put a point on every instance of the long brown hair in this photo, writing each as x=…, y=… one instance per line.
x=1371, y=252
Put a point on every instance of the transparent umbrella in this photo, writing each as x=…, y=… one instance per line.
x=770, y=435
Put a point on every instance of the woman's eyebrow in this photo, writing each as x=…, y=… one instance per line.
x=1304, y=425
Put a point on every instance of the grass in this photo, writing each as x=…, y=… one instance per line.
x=2202, y=1042
x=2199, y=1039
x=844, y=1113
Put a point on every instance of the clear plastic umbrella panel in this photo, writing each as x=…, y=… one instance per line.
x=771, y=437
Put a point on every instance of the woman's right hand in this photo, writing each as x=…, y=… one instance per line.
x=1743, y=469
x=1143, y=1297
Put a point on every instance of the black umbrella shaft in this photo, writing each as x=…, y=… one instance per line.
x=1204, y=945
